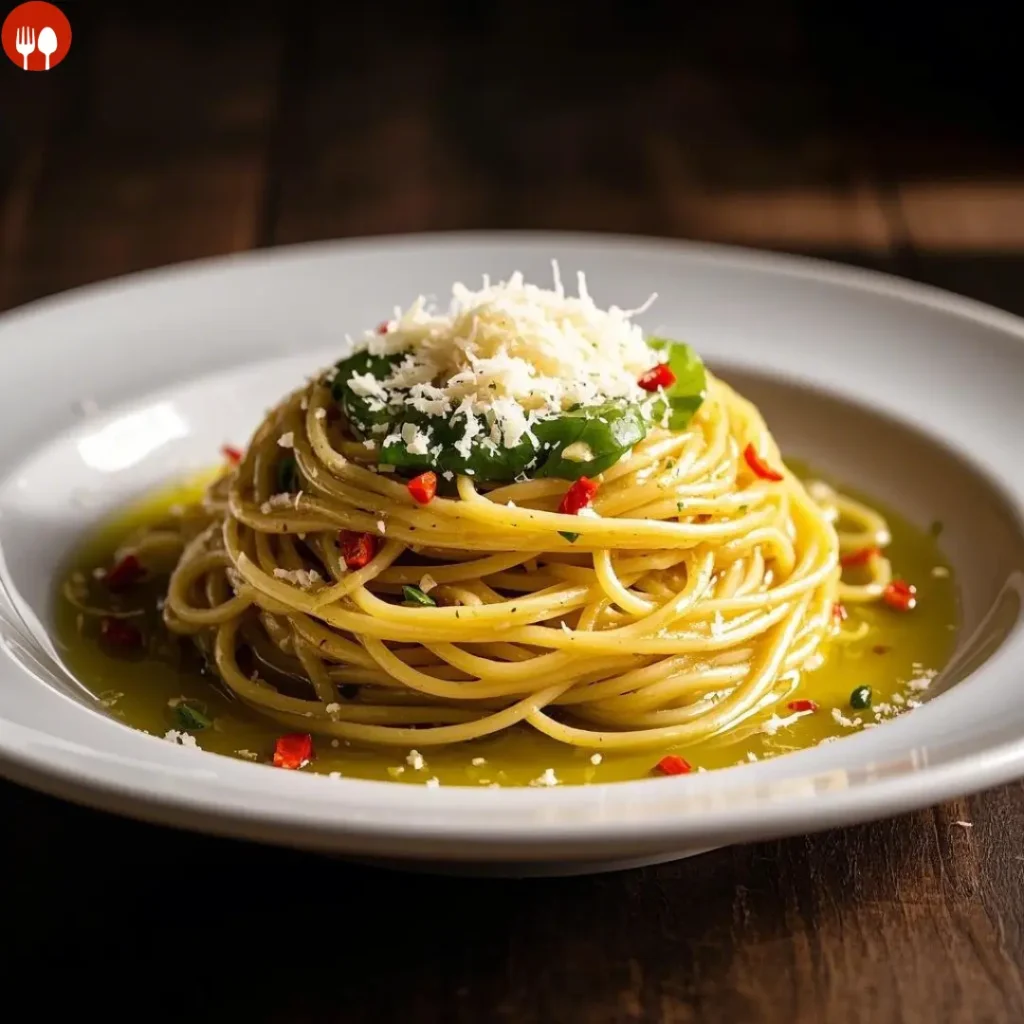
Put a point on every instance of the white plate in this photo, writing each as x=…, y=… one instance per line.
x=910, y=393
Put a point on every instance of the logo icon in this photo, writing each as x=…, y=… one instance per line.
x=36, y=36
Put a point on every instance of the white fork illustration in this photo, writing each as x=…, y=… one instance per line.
x=25, y=43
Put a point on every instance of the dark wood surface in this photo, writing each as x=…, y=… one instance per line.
x=196, y=131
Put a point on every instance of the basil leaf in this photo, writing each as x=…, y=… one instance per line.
x=415, y=596
x=188, y=716
x=486, y=460
x=362, y=412
x=690, y=389
x=609, y=431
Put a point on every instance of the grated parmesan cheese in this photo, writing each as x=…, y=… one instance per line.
x=840, y=719
x=304, y=578
x=578, y=451
x=414, y=759
x=503, y=356
x=427, y=583
x=287, y=440
x=546, y=778
x=180, y=739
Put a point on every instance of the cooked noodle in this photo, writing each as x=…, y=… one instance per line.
x=695, y=596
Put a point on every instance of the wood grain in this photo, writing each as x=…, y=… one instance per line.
x=184, y=133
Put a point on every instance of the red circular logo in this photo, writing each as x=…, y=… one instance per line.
x=36, y=36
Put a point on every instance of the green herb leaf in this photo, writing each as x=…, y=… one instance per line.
x=188, y=716
x=570, y=537
x=415, y=596
x=609, y=431
x=687, y=394
x=287, y=475
x=362, y=412
x=486, y=461
x=861, y=698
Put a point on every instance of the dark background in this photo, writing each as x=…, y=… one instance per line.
x=884, y=135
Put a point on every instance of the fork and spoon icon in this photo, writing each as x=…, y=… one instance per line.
x=25, y=43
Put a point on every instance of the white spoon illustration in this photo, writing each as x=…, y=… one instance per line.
x=47, y=43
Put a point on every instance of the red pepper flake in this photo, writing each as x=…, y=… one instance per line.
x=126, y=572
x=900, y=595
x=233, y=455
x=424, y=487
x=119, y=633
x=758, y=466
x=839, y=612
x=383, y=327
x=802, y=705
x=673, y=764
x=657, y=377
x=293, y=750
x=579, y=495
x=859, y=557
x=357, y=549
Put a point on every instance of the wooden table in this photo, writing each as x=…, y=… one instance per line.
x=170, y=136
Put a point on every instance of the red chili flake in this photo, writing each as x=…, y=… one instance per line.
x=900, y=595
x=656, y=377
x=802, y=705
x=126, y=572
x=579, y=495
x=293, y=750
x=233, y=455
x=383, y=327
x=357, y=549
x=119, y=633
x=758, y=466
x=859, y=557
x=673, y=764
x=839, y=613
x=424, y=487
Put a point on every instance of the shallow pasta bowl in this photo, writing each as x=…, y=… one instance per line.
x=908, y=393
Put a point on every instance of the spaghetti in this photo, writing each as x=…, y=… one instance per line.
x=689, y=590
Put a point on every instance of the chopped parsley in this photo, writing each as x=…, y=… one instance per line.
x=188, y=716
x=861, y=698
x=415, y=597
